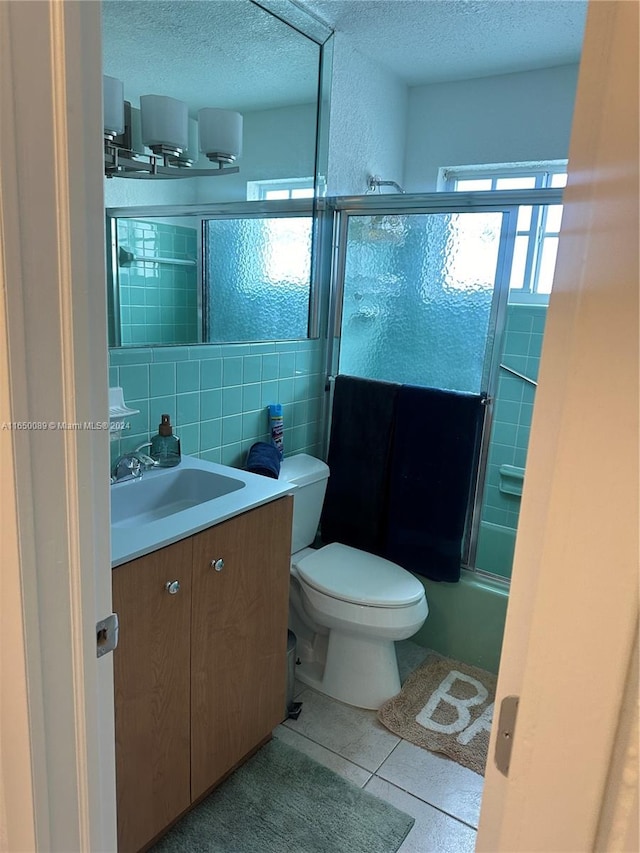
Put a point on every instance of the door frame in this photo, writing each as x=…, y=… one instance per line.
x=572, y=786
x=57, y=776
x=571, y=634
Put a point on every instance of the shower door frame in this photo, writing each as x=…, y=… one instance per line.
x=507, y=202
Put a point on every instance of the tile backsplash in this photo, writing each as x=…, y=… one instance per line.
x=217, y=396
x=158, y=288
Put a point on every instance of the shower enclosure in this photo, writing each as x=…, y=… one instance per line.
x=420, y=295
x=413, y=289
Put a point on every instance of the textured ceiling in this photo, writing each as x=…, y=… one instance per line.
x=222, y=53
x=232, y=54
x=426, y=41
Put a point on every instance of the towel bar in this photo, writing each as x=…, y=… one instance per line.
x=126, y=258
x=519, y=375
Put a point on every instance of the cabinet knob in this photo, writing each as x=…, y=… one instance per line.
x=218, y=565
x=172, y=587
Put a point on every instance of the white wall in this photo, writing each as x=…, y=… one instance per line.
x=277, y=143
x=502, y=119
x=127, y=192
x=367, y=122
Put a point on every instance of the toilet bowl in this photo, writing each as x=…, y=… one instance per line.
x=346, y=607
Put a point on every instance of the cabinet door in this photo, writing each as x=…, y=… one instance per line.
x=151, y=671
x=239, y=638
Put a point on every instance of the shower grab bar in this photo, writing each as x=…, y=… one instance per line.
x=519, y=375
x=126, y=258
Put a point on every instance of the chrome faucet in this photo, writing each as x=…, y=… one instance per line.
x=132, y=465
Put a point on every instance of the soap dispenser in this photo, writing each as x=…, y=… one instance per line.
x=165, y=447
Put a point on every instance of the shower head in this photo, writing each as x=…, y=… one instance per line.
x=374, y=182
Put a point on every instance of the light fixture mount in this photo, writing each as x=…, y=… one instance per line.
x=123, y=163
x=220, y=158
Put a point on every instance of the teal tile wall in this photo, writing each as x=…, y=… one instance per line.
x=513, y=410
x=158, y=302
x=217, y=395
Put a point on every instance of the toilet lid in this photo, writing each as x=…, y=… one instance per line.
x=358, y=577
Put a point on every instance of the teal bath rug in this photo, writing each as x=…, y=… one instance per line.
x=282, y=801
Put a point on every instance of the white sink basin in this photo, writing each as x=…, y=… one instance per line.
x=159, y=493
x=168, y=504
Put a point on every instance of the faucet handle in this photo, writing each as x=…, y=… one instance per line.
x=127, y=465
x=145, y=459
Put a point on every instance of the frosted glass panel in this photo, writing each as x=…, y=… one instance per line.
x=257, y=278
x=418, y=290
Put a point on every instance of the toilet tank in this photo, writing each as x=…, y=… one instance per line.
x=310, y=475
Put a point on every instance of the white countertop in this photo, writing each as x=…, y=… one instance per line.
x=130, y=542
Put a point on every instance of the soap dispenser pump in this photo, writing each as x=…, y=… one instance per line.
x=165, y=446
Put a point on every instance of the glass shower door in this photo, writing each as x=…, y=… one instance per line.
x=420, y=296
x=420, y=299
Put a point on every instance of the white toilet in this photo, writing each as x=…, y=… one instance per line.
x=346, y=607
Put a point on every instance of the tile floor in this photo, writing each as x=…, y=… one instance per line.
x=442, y=796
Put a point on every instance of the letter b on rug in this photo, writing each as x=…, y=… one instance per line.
x=443, y=693
x=445, y=706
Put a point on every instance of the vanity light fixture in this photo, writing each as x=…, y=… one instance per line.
x=220, y=134
x=163, y=125
x=185, y=159
x=113, y=97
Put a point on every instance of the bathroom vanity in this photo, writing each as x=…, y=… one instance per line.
x=200, y=667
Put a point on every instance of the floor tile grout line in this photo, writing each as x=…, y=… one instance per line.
x=389, y=755
x=333, y=752
x=426, y=802
x=319, y=693
x=374, y=774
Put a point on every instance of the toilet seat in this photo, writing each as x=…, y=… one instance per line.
x=354, y=576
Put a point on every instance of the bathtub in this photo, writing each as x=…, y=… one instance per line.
x=466, y=619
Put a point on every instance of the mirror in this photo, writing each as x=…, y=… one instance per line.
x=209, y=53
x=234, y=275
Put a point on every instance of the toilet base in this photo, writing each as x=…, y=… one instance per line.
x=358, y=671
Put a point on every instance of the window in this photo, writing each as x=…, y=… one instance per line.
x=287, y=188
x=538, y=226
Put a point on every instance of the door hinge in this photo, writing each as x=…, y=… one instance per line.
x=506, y=732
x=107, y=634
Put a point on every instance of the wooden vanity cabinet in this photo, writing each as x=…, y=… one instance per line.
x=238, y=638
x=199, y=672
x=152, y=682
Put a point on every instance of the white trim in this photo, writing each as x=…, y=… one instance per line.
x=57, y=366
x=573, y=607
x=618, y=828
x=23, y=824
x=447, y=175
x=256, y=190
x=523, y=297
x=450, y=176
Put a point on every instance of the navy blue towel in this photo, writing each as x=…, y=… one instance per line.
x=433, y=460
x=355, y=505
x=263, y=458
